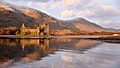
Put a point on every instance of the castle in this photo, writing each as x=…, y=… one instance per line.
x=42, y=30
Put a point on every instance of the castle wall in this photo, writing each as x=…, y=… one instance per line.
x=42, y=30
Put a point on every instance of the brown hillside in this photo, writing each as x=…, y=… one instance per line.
x=14, y=16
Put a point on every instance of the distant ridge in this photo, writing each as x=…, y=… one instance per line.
x=83, y=25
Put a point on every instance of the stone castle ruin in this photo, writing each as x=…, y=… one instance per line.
x=42, y=30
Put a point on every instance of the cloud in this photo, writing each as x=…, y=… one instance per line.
x=107, y=22
x=107, y=11
x=42, y=1
x=98, y=11
x=56, y=5
x=1, y=0
x=70, y=2
x=67, y=4
x=43, y=6
x=75, y=3
x=67, y=13
x=30, y=4
x=39, y=0
x=51, y=5
x=85, y=13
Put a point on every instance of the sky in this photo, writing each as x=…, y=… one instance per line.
x=102, y=12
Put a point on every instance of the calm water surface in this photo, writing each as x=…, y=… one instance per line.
x=58, y=53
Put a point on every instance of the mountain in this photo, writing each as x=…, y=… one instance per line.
x=82, y=25
x=118, y=30
x=14, y=16
x=112, y=29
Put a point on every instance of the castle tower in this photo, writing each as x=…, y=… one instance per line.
x=23, y=26
x=38, y=31
x=46, y=28
x=22, y=29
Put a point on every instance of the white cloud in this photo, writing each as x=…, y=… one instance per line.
x=85, y=13
x=107, y=22
x=64, y=4
x=70, y=2
x=43, y=6
x=74, y=3
x=98, y=11
x=30, y=4
x=67, y=13
x=43, y=1
x=51, y=5
x=57, y=4
x=107, y=11
x=1, y=0
x=67, y=4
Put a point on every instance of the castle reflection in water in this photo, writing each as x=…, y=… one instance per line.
x=28, y=50
x=14, y=48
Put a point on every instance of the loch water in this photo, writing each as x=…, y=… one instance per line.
x=58, y=53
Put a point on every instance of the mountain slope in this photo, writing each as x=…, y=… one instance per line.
x=80, y=24
x=14, y=16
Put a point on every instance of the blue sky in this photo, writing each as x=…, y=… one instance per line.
x=103, y=12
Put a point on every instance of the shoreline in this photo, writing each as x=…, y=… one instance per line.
x=40, y=37
x=76, y=36
x=46, y=37
x=109, y=39
x=21, y=37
